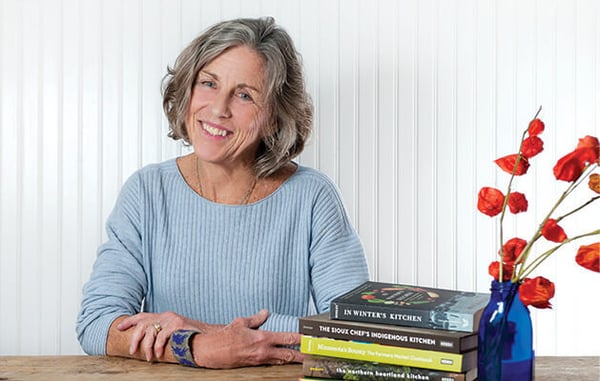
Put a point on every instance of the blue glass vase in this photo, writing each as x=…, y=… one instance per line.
x=505, y=346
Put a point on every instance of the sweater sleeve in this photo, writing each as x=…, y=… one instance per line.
x=337, y=261
x=118, y=281
x=337, y=258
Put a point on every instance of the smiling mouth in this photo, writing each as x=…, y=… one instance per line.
x=214, y=131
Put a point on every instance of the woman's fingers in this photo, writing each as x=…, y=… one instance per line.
x=128, y=322
x=162, y=338
x=147, y=344
x=258, y=319
x=286, y=338
x=252, y=322
x=138, y=334
x=286, y=356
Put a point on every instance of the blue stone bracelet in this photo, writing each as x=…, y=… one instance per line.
x=180, y=345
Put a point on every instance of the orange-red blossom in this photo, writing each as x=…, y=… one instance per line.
x=588, y=256
x=536, y=292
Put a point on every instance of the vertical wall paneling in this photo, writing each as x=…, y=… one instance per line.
x=131, y=74
x=153, y=66
x=406, y=213
x=465, y=140
x=111, y=100
x=91, y=135
x=414, y=99
x=71, y=184
x=30, y=157
x=367, y=132
x=426, y=145
x=446, y=139
x=308, y=45
x=49, y=215
x=327, y=68
x=485, y=122
x=171, y=43
x=348, y=105
x=387, y=130
x=11, y=197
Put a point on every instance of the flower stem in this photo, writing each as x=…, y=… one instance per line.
x=578, y=208
x=505, y=202
x=535, y=263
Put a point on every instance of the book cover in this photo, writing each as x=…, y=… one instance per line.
x=343, y=369
x=420, y=338
x=418, y=358
x=412, y=306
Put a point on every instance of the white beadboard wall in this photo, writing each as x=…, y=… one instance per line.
x=414, y=100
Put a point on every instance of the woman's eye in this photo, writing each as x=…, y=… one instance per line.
x=208, y=83
x=245, y=96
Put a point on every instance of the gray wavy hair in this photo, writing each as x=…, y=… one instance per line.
x=289, y=107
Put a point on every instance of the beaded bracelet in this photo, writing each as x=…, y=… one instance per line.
x=180, y=345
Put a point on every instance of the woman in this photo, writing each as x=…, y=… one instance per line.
x=234, y=229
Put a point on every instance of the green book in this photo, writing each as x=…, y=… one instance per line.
x=364, y=351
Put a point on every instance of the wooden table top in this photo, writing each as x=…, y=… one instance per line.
x=67, y=368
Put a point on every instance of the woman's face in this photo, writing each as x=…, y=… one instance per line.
x=227, y=108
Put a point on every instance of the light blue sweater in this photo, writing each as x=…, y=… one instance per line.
x=169, y=249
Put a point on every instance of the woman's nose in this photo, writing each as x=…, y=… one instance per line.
x=221, y=105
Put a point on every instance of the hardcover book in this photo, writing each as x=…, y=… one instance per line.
x=420, y=338
x=411, y=306
x=387, y=354
x=344, y=369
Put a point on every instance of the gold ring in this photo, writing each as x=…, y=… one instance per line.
x=157, y=327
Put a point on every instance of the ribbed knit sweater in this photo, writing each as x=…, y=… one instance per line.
x=168, y=249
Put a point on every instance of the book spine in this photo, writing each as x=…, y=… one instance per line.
x=380, y=315
x=418, y=358
x=381, y=335
x=433, y=319
x=338, y=368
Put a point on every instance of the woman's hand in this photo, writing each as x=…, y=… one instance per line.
x=240, y=343
x=151, y=331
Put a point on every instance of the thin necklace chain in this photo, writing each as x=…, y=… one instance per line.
x=244, y=200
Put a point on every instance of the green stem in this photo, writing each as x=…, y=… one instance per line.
x=505, y=202
x=526, y=270
x=578, y=208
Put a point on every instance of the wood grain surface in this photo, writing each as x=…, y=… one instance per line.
x=70, y=368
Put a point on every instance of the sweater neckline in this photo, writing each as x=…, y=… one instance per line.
x=180, y=177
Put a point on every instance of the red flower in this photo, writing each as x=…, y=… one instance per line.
x=494, y=271
x=490, y=201
x=590, y=142
x=570, y=166
x=507, y=164
x=536, y=127
x=536, y=292
x=512, y=249
x=517, y=202
x=532, y=146
x=553, y=232
x=594, y=182
x=589, y=256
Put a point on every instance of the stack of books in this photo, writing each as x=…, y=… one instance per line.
x=386, y=331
